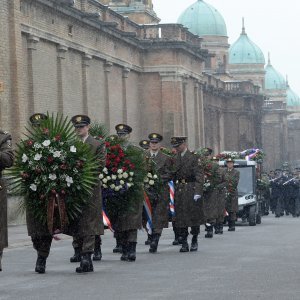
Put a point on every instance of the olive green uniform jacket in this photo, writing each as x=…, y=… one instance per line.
x=232, y=178
x=189, y=179
x=6, y=161
x=160, y=202
x=214, y=200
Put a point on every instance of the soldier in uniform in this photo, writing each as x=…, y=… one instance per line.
x=128, y=222
x=88, y=228
x=6, y=161
x=232, y=177
x=39, y=233
x=144, y=144
x=159, y=201
x=214, y=186
x=189, y=178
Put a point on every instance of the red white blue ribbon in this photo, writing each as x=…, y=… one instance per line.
x=148, y=212
x=106, y=221
x=172, y=194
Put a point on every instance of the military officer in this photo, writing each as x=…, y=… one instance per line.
x=6, y=161
x=144, y=144
x=159, y=199
x=39, y=233
x=88, y=228
x=232, y=177
x=127, y=222
x=189, y=178
x=214, y=186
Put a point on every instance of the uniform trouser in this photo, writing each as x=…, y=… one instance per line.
x=42, y=244
x=157, y=230
x=279, y=209
x=86, y=243
x=211, y=221
x=232, y=216
x=220, y=219
x=297, y=205
x=127, y=236
x=184, y=231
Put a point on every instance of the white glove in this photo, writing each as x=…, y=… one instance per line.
x=197, y=197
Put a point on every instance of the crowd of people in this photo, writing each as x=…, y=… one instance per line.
x=202, y=192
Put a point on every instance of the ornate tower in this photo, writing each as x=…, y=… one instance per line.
x=139, y=11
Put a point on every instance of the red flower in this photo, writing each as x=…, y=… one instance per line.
x=29, y=143
x=108, y=162
x=62, y=192
x=57, y=137
x=121, y=154
x=127, y=162
x=38, y=171
x=124, y=169
x=132, y=166
x=25, y=175
x=42, y=196
x=107, y=144
x=63, y=166
x=46, y=130
x=112, y=156
x=53, y=191
x=50, y=159
x=118, y=159
x=114, y=170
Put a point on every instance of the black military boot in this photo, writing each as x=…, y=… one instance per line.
x=220, y=225
x=124, y=256
x=86, y=264
x=118, y=248
x=217, y=228
x=131, y=251
x=1, y=253
x=149, y=239
x=194, y=244
x=77, y=256
x=97, y=252
x=210, y=231
x=185, y=245
x=40, y=266
x=231, y=226
x=175, y=242
x=154, y=243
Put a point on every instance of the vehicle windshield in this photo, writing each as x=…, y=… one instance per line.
x=246, y=185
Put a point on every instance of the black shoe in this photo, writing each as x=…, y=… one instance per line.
x=220, y=228
x=184, y=247
x=231, y=226
x=175, y=242
x=210, y=232
x=97, y=255
x=40, y=266
x=131, y=251
x=148, y=242
x=86, y=264
x=118, y=249
x=277, y=216
x=217, y=228
x=180, y=240
x=194, y=244
x=76, y=257
x=154, y=243
x=124, y=256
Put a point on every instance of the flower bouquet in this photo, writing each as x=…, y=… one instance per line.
x=53, y=170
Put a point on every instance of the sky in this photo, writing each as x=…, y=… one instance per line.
x=273, y=25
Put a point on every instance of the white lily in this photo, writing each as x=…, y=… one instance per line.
x=46, y=143
x=24, y=158
x=73, y=149
x=33, y=187
x=38, y=156
x=52, y=176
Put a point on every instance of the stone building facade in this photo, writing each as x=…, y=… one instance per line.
x=87, y=58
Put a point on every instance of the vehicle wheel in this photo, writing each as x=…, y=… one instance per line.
x=258, y=219
x=252, y=215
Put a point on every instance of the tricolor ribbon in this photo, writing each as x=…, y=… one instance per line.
x=106, y=221
x=226, y=214
x=148, y=212
x=172, y=202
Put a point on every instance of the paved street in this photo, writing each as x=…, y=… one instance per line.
x=261, y=262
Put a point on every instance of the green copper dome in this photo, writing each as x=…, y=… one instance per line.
x=203, y=19
x=292, y=99
x=273, y=79
x=244, y=51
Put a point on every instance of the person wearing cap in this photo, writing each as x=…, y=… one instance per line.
x=6, y=161
x=159, y=201
x=232, y=177
x=128, y=222
x=39, y=233
x=88, y=228
x=213, y=197
x=144, y=144
x=277, y=193
x=189, y=179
